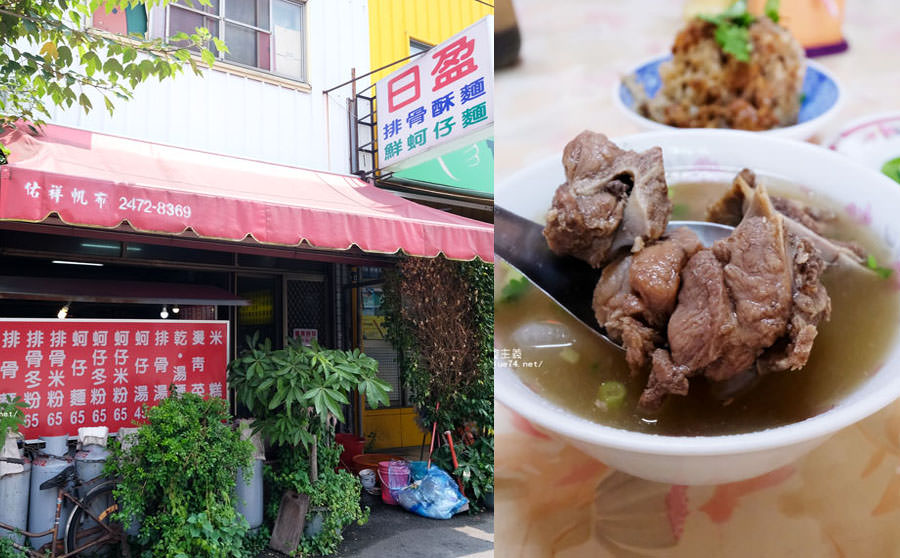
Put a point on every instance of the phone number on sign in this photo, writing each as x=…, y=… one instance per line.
x=147, y=206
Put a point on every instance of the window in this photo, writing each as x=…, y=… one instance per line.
x=263, y=34
x=131, y=20
x=415, y=47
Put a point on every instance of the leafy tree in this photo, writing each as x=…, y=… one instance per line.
x=49, y=56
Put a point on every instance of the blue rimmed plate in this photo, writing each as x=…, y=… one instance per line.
x=821, y=99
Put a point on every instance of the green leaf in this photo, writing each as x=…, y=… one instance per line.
x=338, y=396
x=220, y=45
x=514, y=289
x=208, y=57
x=772, y=9
x=85, y=103
x=734, y=40
x=335, y=408
x=64, y=55
x=265, y=384
x=276, y=401
x=112, y=66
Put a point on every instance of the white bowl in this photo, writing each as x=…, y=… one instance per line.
x=822, y=99
x=717, y=155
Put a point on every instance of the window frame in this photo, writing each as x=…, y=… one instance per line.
x=422, y=45
x=222, y=18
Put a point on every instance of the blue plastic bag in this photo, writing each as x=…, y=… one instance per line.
x=417, y=470
x=435, y=495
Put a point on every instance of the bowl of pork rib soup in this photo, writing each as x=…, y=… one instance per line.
x=697, y=359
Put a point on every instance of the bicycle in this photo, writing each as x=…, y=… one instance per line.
x=89, y=526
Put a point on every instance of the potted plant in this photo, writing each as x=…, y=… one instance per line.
x=177, y=479
x=295, y=395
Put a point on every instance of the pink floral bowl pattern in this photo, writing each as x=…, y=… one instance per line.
x=872, y=140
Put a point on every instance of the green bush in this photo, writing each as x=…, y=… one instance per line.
x=286, y=390
x=476, y=467
x=7, y=550
x=177, y=479
x=338, y=492
x=295, y=396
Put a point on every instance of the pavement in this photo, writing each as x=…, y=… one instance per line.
x=392, y=531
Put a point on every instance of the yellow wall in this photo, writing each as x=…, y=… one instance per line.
x=393, y=428
x=392, y=23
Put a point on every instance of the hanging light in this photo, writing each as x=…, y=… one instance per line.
x=176, y=309
x=165, y=313
x=63, y=312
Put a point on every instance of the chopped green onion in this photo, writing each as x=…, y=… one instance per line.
x=611, y=395
x=883, y=272
x=892, y=169
x=514, y=289
x=569, y=355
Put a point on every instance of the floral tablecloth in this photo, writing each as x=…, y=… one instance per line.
x=843, y=499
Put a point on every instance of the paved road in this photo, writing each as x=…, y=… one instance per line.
x=391, y=531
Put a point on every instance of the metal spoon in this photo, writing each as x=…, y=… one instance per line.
x=568, y=281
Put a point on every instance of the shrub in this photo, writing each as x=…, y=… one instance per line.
x=445, y=340
x=292, y=392
x=7, y=550
x=295, y=396
x=338, y=492
x=177, y=478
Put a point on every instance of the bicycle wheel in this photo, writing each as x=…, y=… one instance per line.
x=83, y=530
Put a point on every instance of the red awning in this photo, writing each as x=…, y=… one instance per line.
x=96, y=180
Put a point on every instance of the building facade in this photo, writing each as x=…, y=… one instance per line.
x=257, y=102
x=399, y=29
x=257, y=143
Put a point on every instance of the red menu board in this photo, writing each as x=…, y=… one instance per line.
x=75, y=373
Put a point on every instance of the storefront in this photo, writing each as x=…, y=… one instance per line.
x=100, y=227
x=428, y=132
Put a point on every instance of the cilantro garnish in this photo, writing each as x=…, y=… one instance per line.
x=514, y=290
x=772, y=9
x=883, y=272
x=733, y=27
x=734, y=40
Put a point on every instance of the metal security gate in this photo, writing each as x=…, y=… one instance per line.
x=308, y=308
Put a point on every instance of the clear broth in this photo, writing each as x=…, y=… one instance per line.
x=848, y=349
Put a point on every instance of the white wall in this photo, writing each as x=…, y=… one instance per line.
x=245, y=117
